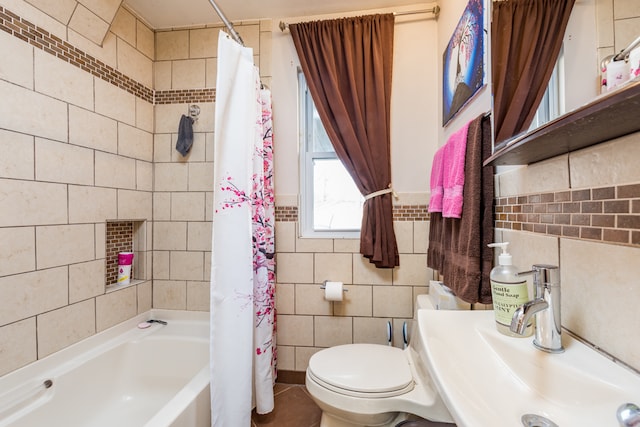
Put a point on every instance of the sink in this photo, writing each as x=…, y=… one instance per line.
x=488, y=379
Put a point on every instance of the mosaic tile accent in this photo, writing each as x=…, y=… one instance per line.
x=42, y=39
x=607, y=214
x=400, y=213
x=287, y=213
x=184, y=96
x=119, y=238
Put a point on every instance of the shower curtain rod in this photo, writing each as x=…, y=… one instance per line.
x=435, y=10
x=226, y=22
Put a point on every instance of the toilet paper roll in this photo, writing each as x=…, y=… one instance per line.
x=333, y=291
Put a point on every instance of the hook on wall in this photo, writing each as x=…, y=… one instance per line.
x=194, y=112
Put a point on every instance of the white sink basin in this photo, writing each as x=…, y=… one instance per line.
x=488, y=379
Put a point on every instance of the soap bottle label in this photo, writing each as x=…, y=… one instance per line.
x=506, y=298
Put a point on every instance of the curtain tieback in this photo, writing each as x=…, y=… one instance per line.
x=380, y=193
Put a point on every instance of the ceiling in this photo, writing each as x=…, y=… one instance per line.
x=164, y=14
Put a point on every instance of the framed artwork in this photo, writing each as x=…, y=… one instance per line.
x=463, y=61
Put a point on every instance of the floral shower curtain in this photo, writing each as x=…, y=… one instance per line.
x=242, y=265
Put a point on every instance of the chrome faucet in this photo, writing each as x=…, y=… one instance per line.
x=546, y=308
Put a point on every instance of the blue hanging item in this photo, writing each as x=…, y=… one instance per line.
x=185, y=135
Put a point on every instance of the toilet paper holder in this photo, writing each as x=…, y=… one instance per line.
x=324, y=286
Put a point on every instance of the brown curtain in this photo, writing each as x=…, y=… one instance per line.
x=526, y=36
x=347, y=63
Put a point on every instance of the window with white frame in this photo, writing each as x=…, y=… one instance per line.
x=330, y=203
x=551, y=105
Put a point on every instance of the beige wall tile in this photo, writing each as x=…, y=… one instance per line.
x=314, y=245
x=61, y=80
x=60, y=10
x=600, y=281
x=17, y=251
x=198, y=296
x=60, y=162
x=412, y=270
x=201, y=176
x=145, y=296
x=187, y=206
x=134, y=64
x=28, y=294
x=203, y=42
x=60, y=328
x=285, y=298
x=392, y=301
x=161, y=206
x=20, y=69
x=124, y=26
x=161, y=265
x=333, y=267
x=144, y=176
x=92, y=130
x=188, y=74
x=196, y=153
x=251, y=36
x=171, y=177
x=171, y=236
x=162, y=75
x=626, y=9
x=146, y=40
x=135, y=205
x=20, y=164
x=207, y=265
x=136, y=143
x=604, y=22
x=64, y=244
x=295, y=330
x=303, y=354
x=88, y=24
x=310, y=300
x=144, y=115
x=86, y=280
x=209, y=206
x=358, y=301
x=105, y=9
x=114, y=102
x=404, y=236
x=285, y=236
x=372, y=330
x=171, y=45
x=295, y=268
x=170, y=294
x=186, y=265
x=626, y=31
x=92, y=204
x=199, y=236
x=530, y=248
x=28, y=203
x=331, y=331
x=18, y=345
x=211, y=70
x=265, y=53
x=420, y=237
x=286, y=358
x=106, y=53
x=346, y=245
x=115, y=307
x=162, y=147
x=32, y=113
x=548, y=175
x=115, y=171
x=100, y=240
x=365, y=273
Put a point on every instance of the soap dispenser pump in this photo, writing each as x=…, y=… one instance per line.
x=508, y=291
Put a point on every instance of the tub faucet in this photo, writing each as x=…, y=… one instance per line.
x=546, y=308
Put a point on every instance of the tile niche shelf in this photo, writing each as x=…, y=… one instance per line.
x=609, y=116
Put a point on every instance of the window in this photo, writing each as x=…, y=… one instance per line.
x=551, y=105
x=331, y=205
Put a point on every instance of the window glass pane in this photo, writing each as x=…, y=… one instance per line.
x=321, y=143
x=337, y=201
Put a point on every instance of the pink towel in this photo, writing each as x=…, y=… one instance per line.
x=437, y=189
x=453, y=167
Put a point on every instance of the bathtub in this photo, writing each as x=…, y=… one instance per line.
x=123, y=376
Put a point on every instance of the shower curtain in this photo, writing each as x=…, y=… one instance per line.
x=243, y=351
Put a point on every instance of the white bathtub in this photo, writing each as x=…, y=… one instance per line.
x=124, y=376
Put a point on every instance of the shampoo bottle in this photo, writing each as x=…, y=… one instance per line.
x=508, y=291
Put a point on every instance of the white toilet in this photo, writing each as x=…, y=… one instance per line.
x=359, y=385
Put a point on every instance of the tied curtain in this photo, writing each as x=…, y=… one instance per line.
x=526, y=37
x=347, y=64
x=242, y=265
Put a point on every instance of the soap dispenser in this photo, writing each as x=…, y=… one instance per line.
x=508, y=291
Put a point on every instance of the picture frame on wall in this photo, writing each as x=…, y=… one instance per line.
x=463, y=61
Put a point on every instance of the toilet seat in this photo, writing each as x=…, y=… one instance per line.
x=362, y=370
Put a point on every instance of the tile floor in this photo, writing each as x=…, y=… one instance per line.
x=293, y=408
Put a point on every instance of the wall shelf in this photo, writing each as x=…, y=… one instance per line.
x=609, y=116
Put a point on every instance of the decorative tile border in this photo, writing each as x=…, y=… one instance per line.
x=400, y=213
x=607, y=214
x=184, y=96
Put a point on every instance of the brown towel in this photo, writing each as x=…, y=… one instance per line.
x=458, y=247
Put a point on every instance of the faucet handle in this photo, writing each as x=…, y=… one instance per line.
x=543, y=273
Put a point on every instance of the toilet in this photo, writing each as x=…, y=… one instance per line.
x=357, y=385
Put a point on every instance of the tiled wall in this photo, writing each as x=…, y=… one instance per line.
x=308, y=323
x=77, y=151
x=185, y=74
x=617, y=25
